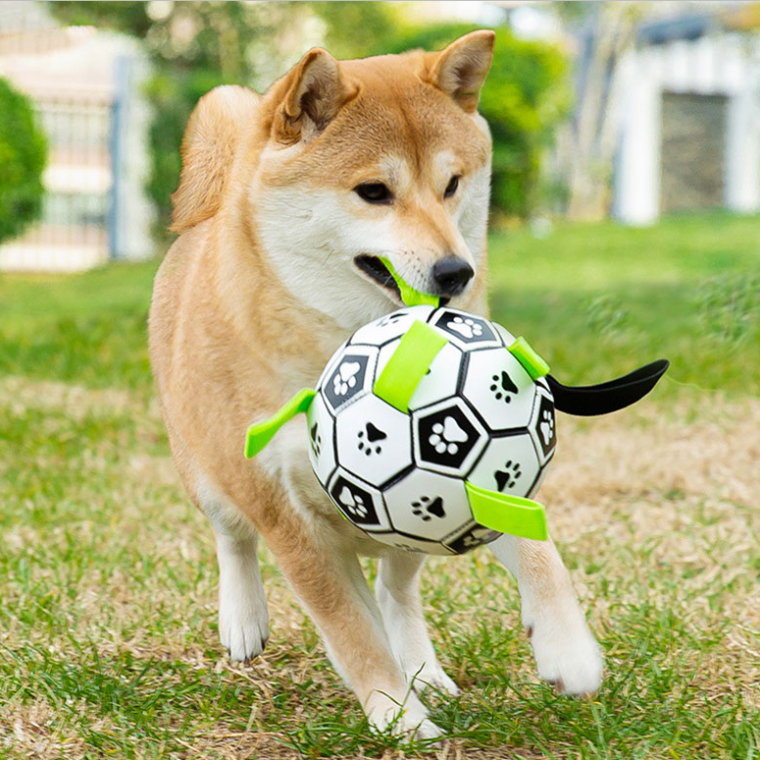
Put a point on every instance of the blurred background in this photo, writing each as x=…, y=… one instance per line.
x=626, y=172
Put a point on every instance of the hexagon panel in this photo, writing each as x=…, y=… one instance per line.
x=447, y=437
x=464, y=329
x=374, y=440
x=390, y=326
x=499, y=388
x=321, y=427
x=351, y=376
x=359, y=502
x=509, y=465
x=414, y=545
x=442, y=377
x=428, y=505
x=475, y=535
x=543, y=427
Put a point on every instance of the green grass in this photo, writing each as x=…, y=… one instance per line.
x=108, y=640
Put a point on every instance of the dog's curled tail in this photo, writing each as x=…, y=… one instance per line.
x=208, y=149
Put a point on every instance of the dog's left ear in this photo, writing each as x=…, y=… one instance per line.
x=461, y=69
x=315, y=93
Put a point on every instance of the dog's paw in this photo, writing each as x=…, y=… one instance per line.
x=243, y=626
x=434, y=676
x=568, y=657
x=408, y=720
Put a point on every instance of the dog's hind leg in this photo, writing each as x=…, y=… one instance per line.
x=243, y=613
x=398, y=593
x=565, y=649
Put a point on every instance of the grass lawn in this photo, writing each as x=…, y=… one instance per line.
x=108, y=633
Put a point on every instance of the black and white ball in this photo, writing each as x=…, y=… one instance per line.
x=476, y=416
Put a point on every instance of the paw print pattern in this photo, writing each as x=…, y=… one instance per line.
x=447, y=436
x=508, y=477
x=425, y=507
x=316, y=439
x=474, y=537
x=353, y=502
x=390, y=319
x=502, y=386
x=546, y=426
x=466, y=327
x=356, y=503
x=345, y=378
x=369, y=438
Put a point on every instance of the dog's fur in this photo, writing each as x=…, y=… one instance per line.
x=258, y=291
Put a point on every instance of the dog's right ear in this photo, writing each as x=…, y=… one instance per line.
x=315, y=92
x=208, y=149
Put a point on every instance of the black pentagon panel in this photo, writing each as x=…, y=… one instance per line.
x=356, y=503
x=476, y=535
x=544, y=429
x=347, y=379
x=447, y=437
x=466, y=330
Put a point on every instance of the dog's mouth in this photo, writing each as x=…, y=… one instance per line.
x=374, y=268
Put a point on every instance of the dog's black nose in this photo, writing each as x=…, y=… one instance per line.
x=451, y=275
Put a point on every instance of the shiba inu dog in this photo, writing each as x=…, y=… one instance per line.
x=286, y=203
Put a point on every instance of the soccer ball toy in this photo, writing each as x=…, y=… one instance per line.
x=431, y=428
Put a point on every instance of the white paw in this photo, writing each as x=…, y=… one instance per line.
x=567, y=656
x=434, y=676
x=408, y=719
x=243, y=626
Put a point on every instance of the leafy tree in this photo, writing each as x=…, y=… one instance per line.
x=23, y=153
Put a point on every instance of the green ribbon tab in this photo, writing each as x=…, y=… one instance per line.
x=514, y=515
x=409, y=295
x=534, y=365
x=408, y=365
x=259, y=435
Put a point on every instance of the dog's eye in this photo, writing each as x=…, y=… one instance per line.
x=374, y=192
x=451, y=188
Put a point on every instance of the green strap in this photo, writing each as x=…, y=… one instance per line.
x=260, y=434
x=507, y=514
x=524, y=353
x=409, y=295
x=408, y=365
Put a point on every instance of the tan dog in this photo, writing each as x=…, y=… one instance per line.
x=286, y=201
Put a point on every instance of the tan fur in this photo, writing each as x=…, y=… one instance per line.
x=231, y=341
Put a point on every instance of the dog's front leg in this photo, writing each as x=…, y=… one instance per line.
x=329, y=581
x=398, y=593
x=565, y=650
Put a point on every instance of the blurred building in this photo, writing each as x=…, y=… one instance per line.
x=85, y=86
x=688, y=94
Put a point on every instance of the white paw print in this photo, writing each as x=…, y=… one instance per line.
x=446, y=435
x=547, y=427
x=345, y=377
x=353, y=503
x=467, y=328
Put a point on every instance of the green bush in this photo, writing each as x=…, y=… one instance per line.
x=23, y=152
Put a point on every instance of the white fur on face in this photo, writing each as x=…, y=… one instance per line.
x=311, y=238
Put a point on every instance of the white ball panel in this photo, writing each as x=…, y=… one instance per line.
x=374, y=440
x=321, y=427
x=509, y=465
x=497, y=385
x=441, y=380
x=417, y=546
x=428, y=505
x=390, y=326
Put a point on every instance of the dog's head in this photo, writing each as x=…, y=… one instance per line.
x=384, y=157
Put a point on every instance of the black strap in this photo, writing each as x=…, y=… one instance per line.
x=590, y=400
